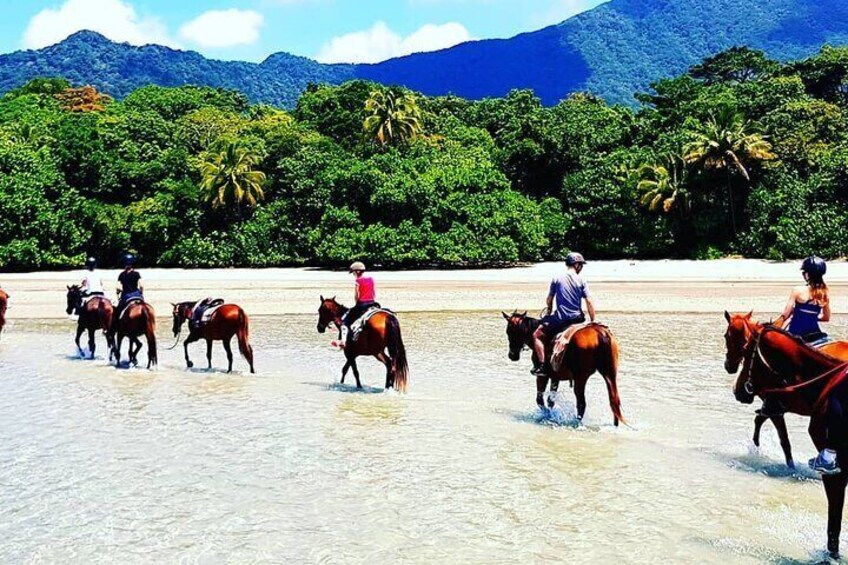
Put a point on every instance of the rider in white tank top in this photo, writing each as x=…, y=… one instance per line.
x=92, y=283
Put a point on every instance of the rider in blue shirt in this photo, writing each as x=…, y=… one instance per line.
x=568, y=291
x=809, y=304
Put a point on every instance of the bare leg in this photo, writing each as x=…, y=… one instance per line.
x=834, y=488
x=782, y=433
x=228, y=348
x=580, y=395
x=209, y=354
x=539, y=344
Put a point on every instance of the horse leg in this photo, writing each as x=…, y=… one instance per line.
x=541, y=385
x=228, y=348
x=580, y=395
x=834, y=488
x=118, y=344
x=553, y=394
x=782, y=433
x=209, y=354
x=190, y=339
x=135, y=347
x=91, y=343
x=384, y=359
x=355, y=372
x=344, y=370
x=759, y=420
x=80, y=330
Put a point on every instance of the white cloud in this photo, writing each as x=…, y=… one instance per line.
x=223, y=28
x=115, y=19
x=380, y=43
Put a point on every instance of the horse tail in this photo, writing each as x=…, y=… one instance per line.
x=243, y=335
x=150, y=333
x=397, y=351
x=608, y=367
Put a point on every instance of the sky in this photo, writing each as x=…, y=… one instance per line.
x=328, y=30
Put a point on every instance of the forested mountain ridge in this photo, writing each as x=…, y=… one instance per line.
x=613, y=51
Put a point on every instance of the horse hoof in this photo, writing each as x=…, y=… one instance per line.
x=189, y=364
x=791, y=465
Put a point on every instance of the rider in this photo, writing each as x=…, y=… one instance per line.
x=364, y=296
x=130, y=284
x=92, y=283
x=809, y=304
x=570, y=291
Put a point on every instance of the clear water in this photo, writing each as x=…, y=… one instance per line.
x=99, y=465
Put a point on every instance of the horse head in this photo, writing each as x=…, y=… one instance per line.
x=517, y=332
x=181, y=313
x=740, y=328
x=330, y=312
x=74, y=299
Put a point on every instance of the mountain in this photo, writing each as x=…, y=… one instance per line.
x=613, y=50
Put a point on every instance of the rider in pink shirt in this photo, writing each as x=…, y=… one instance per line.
x=365, y=296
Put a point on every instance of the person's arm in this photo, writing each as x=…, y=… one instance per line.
x=788, y=310
x=549, y=304
x=590, y=307
x=356, y=293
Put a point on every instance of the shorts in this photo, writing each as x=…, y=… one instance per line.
x=553, y=325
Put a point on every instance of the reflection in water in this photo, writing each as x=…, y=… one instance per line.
x=99, y=465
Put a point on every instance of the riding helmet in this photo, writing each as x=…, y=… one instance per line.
x=358, y=266
x=128, y=260
x=814, y=266
x=91, y=263
x=575, y=259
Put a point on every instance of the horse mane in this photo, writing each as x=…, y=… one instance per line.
x=822, y=356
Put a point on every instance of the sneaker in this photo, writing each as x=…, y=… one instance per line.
x=821, y=465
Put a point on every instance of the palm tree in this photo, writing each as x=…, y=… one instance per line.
x=727, y=143
x=228, y=176
x=663, y=186
x=393, y=117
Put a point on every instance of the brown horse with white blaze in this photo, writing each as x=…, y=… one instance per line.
x=226, y=322
x=138, y=319
x=95, y=314
x=4, y=302
x=592, y=349
x=380, y=338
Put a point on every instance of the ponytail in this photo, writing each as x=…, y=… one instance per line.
x=818, y=291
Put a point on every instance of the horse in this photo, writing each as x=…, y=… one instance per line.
x=95, y=315
x=226, y=321
x=741, y=329
x=380, y=338
x=779, y=365
x=4, y=301
x=592, y=349
x=137, y=319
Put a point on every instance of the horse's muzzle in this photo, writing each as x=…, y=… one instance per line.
x=321, y=329
x=731, y=367
x=743, y=394
x=514, y=355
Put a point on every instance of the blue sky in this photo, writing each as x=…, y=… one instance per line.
x=330, y=30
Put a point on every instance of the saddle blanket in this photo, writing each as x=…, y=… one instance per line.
x=90, y=297
x=129, y=303
x=562, y=340
x=357, y=327
x=208, y=311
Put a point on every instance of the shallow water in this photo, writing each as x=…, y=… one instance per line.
x=99, y=465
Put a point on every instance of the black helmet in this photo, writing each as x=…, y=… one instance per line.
x=814, y=266
x=128, y=260
x=575, y=259
x=91, y=263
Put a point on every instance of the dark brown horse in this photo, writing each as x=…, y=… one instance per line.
x=380, y=338
x=138, y=319
x=227, y=321
x=4, y=302
x=781, y=366
x=741, y=330
x=591, y=349
x=96, y=314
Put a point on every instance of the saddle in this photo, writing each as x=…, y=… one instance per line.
x=562, y=340
x=357, y=326
x=203, y=311
x=817, y=340
x=89, y=297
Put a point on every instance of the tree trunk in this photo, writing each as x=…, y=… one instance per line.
x=730, y=196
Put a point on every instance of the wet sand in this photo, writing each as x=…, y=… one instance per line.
x=706, y=287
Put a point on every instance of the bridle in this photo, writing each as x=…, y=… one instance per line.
x=337, y=314
x=752, y=348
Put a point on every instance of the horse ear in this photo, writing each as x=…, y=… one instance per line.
x=505, y=315
x=333, y=298
x=750, y=315
x=524, y=315
x=322, y=298
x=727, y=316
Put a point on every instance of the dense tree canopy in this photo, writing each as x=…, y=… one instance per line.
x=740, y=155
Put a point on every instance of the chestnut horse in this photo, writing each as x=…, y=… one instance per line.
x=780, y=366
x=95, y=315
x=4, y=301
x=227, y=321
x=380, y=338
x=591, y=349
x=137, y=319
x=740, y=330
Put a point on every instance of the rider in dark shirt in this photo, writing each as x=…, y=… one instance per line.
x=130, y=284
